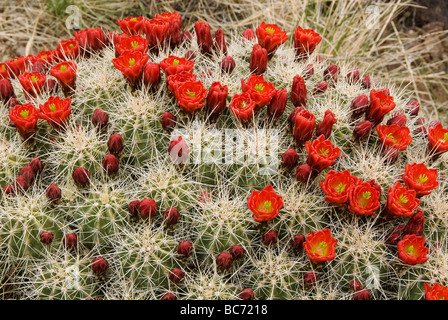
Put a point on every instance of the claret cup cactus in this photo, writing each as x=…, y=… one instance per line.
x=154, y=162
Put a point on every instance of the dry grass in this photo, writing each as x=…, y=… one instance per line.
x=383, y=50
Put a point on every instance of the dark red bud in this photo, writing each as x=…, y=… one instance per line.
x=151, y=75
x=303, y=173
x=398, y=118
x=326, y=126
x=70, y=241
x=12, y=103
x=416, y=224
x=355, y=285
x=308, y=72
x=111, y=164
x=362, y=130
x=395, y=235
x=171, y=216
x=53, y=193
x=46, y=237
x=21, y=184
x=246, y=294
x=366, y=83
x=8, y=189
x=236, y=251
x=115, y=144
x=278, y=104
x=362, y=295
x=81, y=176
x=228, y=64
x=168, y=296
x=100, y=118
x=331, y=73
x=133, y=208
x=320, y=87
x=186, y=36
x=37, y=165
x=224, y=261
x=100, y=266
x=203, y=36
x=190, y=55
x=248, y=34
x=6, y=90
x=220, y=42
x=412, y=108
x=297, y=242
x=258, y=59
x=390, y=155
x=359, y=106
x=168, y=121
x=176, y=275
x=270, y=237
x=353, y=75
x=310, y=278
x=147, y=208
x=51, y=86
x=290, y=159
x=28, y=173
x=299, y=92
x=185, y=248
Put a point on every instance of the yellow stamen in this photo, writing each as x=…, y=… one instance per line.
x=25, y=113
x=270, y=30
x=131, y=62
x=52, y=107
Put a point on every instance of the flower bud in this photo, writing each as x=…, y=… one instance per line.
x=309, y=278
x=110, y=164
x=190, y=55
x=326, y=126
x=185, y=248
x=21, y=184
x=220, y=42
x=246, y=294
x=46, y=237
x=176, y=275
x=100, y=118
x=204, y=197
x=290, y=159
x=81, y=176
x=228, y=64
x=366, y=83
x=416, y=224
x=70, y=241
x=236, y=251
x=308, y=72
x=36, y=165
x=386, y=91
x=353, y=75
x=320, y=87
x=297, y=242
x=168, y=121
x=133, y=208
x=186, y=35
x=331, y=74
x=12, y=103
x=362, y=295
x=178, y=150
x=420, y=122
x=28, y=173
x=6, y=90
x=362, y=130
x=51, y=86
x=303, y=173
x=53, y=193
x=270, y=237
x=100, y=266
x=355, y=285
x=168, y=296
x=115, y=144
x=390, y=155
x=39, y=66
x=151, y=75
x=258, y=60
x=298, y=91
x=216, y=100
x=147, y=208
x=8, y=189
x=278, y=104
x=204, y=36
x=395, y=235
x=171, y=216
x=412, y=108
x=398, y=119
x=359, y=106
x=224, y=261
x=248, y=34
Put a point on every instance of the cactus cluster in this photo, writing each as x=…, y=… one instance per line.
x=158, y=175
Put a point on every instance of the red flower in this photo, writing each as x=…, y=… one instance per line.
x=173, y=65
x=419, y=178
x=48, y=56
x=175, y=21
x=264, y=204
x=326, y=126
x=298, y=92
x=436, y=292
x=204, y=36
x=32, y=82
x=364, y=198
x=401, y=201
x=25, y=119
x=156, y=32
x=131, y=64
x=242, y=106
x=91, y=40
x=337, y=186
x=394, y=136
x=56, y=111
x=132, y=43
x=190, y=95
x=216, y=99
x=68, y=49
x=321, y=153
x=132, y=25
x=270, y=37
x=320, y=246
x=248, y=34
x=258, y=59
x=305, y=41
x=438, y=139
x=380, y=105
x=304, y=123
x=16, y=65
x=177, y=78
x=65, y=73
x=412, y=250
x=151, y=75
x=260, y=90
